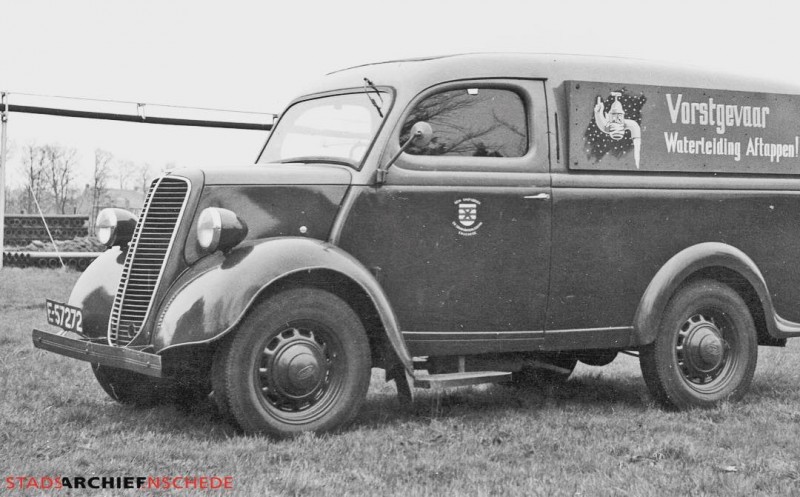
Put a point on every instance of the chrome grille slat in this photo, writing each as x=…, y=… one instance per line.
x=147, y=254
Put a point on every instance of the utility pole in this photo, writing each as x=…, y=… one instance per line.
x=3, y=145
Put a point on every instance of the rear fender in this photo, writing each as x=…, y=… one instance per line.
x=214, y=295
x=708, y=259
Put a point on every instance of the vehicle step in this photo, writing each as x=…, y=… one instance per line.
x=460, y=379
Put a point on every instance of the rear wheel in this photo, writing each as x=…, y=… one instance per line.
x=299, y=362
x=705, y=350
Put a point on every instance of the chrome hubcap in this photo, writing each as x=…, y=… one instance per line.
x=702, y=351
x=295, y=370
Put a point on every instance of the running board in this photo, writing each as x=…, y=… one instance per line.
x=460, y=379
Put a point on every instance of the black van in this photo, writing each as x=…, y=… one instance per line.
x=458, y=220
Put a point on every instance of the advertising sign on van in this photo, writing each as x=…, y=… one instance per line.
x=668, y=129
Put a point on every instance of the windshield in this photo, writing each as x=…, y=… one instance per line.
x=337, y=129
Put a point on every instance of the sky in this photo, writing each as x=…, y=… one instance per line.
x=255, y=56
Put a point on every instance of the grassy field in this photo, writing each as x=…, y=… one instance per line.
x=598, y=435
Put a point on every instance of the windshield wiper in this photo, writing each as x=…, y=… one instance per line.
x=316, y=160
x=367, y=85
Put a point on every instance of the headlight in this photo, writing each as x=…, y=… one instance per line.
x=219, y=229
x=114, y=227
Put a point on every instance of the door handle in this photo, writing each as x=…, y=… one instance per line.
x=538, y=196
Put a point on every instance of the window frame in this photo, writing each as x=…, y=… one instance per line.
x=332, y=93
x=470, y=163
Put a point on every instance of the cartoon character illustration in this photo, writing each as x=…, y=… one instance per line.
x=614, y=124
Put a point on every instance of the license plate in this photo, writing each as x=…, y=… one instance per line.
x=65, y=316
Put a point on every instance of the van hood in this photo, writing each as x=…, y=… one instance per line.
x=280, y=174
x=273, y=200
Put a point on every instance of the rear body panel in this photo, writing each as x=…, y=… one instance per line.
x=609, y=242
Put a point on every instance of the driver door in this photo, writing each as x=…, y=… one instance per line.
x=459, y=234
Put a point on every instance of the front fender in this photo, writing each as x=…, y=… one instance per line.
x=95, y=290
x=212, y=297
x=689, y=261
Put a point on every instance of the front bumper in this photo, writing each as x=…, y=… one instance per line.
x=131, y=359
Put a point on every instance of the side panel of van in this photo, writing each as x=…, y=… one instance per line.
x=611, y=237
x=647, y=171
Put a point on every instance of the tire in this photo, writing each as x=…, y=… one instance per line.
x=300, y=361
x=188, y=391
x=127, y=387
x=538, y=376
x=219, y=384
x=705, y=350
x=130, y=388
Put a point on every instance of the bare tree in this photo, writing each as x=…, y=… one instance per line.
x=145, y=175
x=126, y=174
x=60, y=164
x=100, y=177
x=33, y=172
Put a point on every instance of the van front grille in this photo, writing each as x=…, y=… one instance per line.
x=147, y=253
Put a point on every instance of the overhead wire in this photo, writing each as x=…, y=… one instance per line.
x=172, y=106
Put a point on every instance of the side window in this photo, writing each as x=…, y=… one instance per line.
x=472, y=122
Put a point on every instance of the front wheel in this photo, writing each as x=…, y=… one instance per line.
x=130, y=388
x=299, y=362
x=705, y=350
x=127, y=387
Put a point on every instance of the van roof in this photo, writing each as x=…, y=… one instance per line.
x=417, y=74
